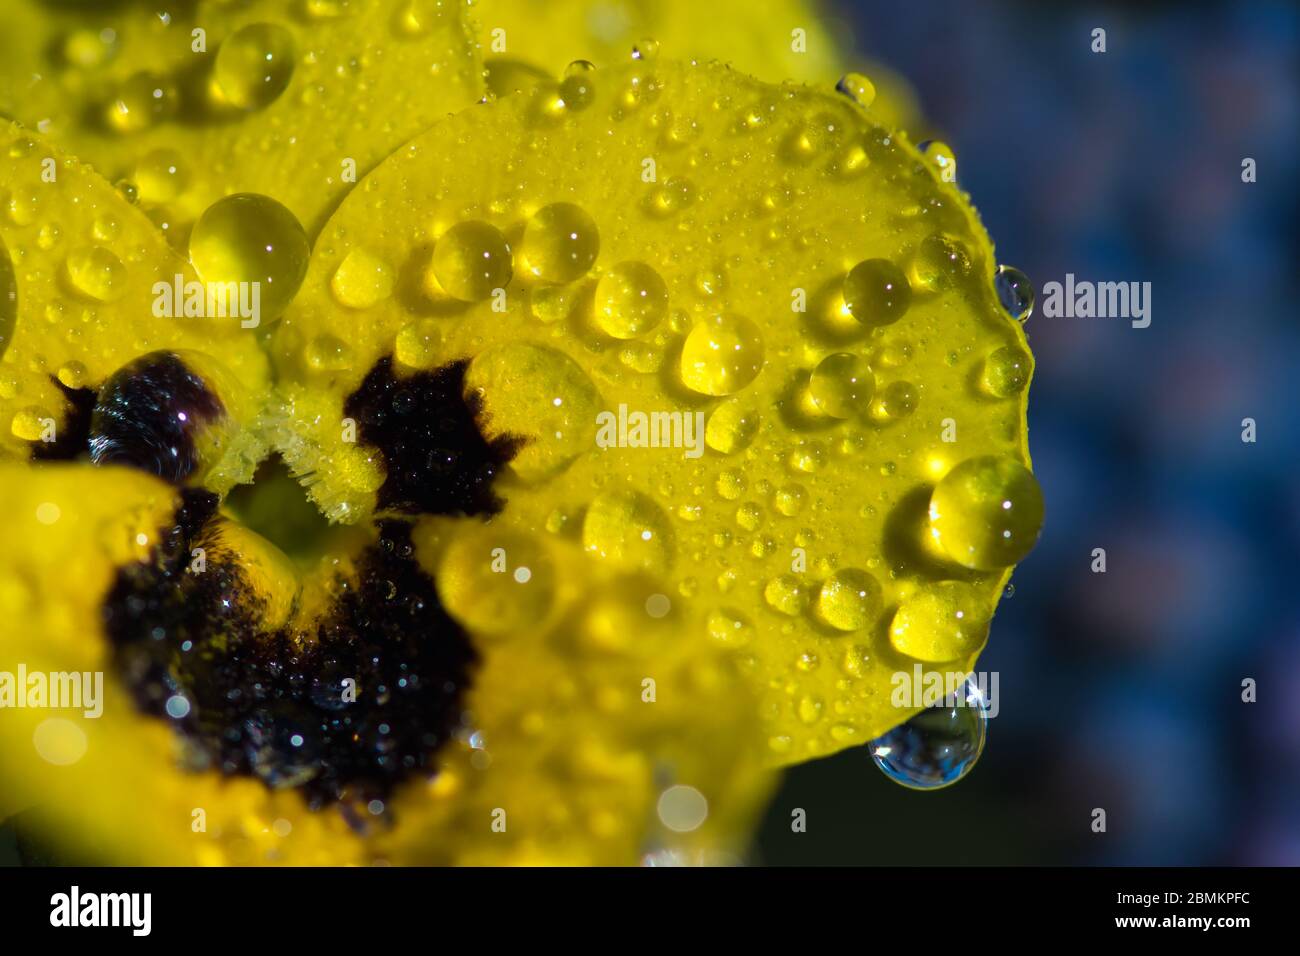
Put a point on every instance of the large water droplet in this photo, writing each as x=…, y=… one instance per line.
x=361, y=280
x=141, y=100
x=722, y=355
x=987, y=512
x=947, y=621
x=842, y=385
x=560, y=243
x=248, y=237
x=97, y=273
x=938, y=746
x=630, y=529
x=254, y=65
x=471, y=260
x=630, y=299
x=849, y=599
x=161, y=175
x=876, y=292
x=1005, y=372
x=1015, y=292
x=731, y=427
x=494, y=581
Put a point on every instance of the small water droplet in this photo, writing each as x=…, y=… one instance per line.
x=876, y=292
x=842, y=385
x=97, y=273
x=471, y=259
x=1015, y=292
x=858, y=88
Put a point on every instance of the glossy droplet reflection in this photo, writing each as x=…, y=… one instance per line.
x=254, y=65
x=876, y=292
x=938, y=746
x=987, y=512
x=248, y=237
x=560, y=243
x=1015, y=292
x=630, y=299
x=722, y=355
x=472, y=259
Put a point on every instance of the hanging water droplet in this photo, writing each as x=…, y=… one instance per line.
x=1015, y=292
x=938, y=746
x=857, y=88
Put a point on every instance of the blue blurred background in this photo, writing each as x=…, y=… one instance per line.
x=1121, y=690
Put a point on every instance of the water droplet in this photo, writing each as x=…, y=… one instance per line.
x=876, y=292
x=72, y=375
x=730, y=627
x=248, y=237
x=577, y=88
x=28, y=423
x=786, y=594
x=161, y=175
x=721, y=355
x=1015, y=292
x=140, y=101
x=1006, y=371
x=842, y=385
x=97, y=273
x=731, y=427
x=670, y=197
x=560, y=243
x=540, y=394
x=630, y=299
x=419, y=344
x=254, y=65
x=629, y=529
x=947, y=621
x=328, y=353
x=857, y=88
x=849, y=599
x=987, y=512
x=940, y=155
x=471, y=260
x=361, y=280
x=482, y=596
x=940, y=262
x=896, y=401
x=22, y=206
x=938, y=746
x=645, y=50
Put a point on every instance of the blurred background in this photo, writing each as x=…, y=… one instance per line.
x=1121, y=690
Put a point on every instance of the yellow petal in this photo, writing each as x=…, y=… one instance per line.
x=831, y=317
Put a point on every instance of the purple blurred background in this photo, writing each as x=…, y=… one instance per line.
x=1121, y=690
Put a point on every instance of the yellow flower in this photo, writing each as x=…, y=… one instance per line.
x=664, y=415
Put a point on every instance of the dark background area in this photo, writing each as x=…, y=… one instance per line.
x=1121, y=690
